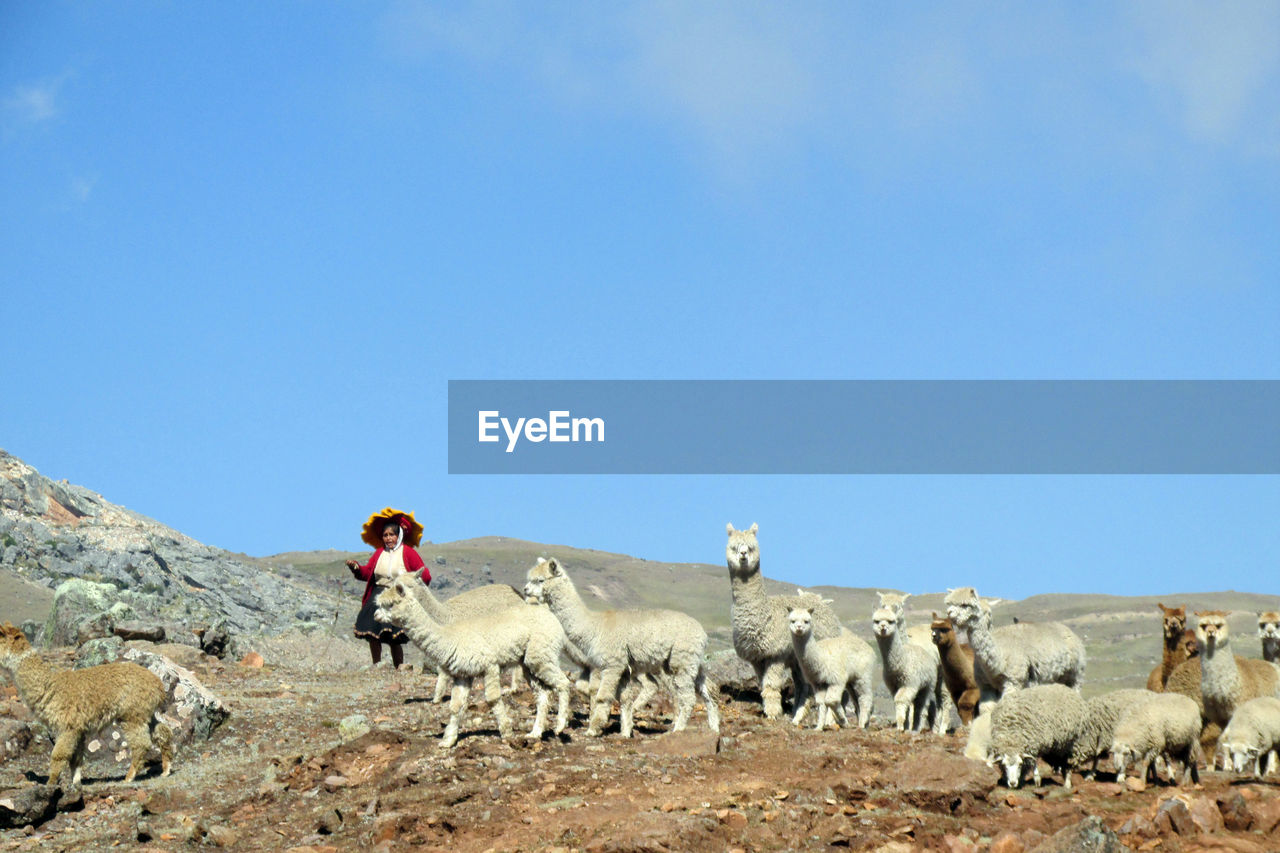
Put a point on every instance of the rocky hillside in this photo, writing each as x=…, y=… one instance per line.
x=51, y=532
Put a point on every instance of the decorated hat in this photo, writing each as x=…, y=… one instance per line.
x=372, y=533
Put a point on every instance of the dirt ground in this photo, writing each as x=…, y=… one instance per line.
x=278, y=776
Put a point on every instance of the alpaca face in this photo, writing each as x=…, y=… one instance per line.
x=389, y=600
x=742, y=552
x=895, y=601
x=800, y=621
x=1189, y=644
x=884, y=622
x=544, y=573
x=1269, y=625
x=1175, y=621
x=13, y=645
x=943, y=632
x=964, y=607
x=1211, y=628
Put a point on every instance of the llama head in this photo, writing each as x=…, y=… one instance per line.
x=885, y=622
x=1189, y=643
x=542, y=579
x=742, y=552
x=391, y=599
x=894, y=600
x=1269, y=625
x=942, y=631
x=800, y=622
x=964, y=606
x=1175, y=621
x=13, y=644
x=1211, y=630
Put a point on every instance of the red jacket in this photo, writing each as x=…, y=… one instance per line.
x=412, y=563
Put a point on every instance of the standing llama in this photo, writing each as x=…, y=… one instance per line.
x=1269, y=632
x=833, y=667
x=74, y=704
x=911, y=672
x=760, y=632
x=957, y=668
x=473, y=602
x=1015, y=656
x=1175, y=646
x=667, y=645
x=1228, y=681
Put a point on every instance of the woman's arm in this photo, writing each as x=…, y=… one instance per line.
x=366, y=571
x=413, y=563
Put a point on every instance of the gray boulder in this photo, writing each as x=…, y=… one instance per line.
x=198, y=711
x=82, y=611
x=28, y=806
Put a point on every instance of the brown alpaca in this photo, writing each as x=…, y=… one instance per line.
x=76, y=703
x=1175, y=650
x=957, y=668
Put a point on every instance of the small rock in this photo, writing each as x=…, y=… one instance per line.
x=333, y=783
x=222, y=836
x=1139, y=825
x=956, y=844
x=1205, y=814
x=252, y=659
x=1133, y=783
x=1235, y=812
x=134, y=630
x=1266, y=815
x=28, y=806
x=1089, y=834
x=352, y=727
x=1173, y=816
x=1007, y=842
x=330, y=822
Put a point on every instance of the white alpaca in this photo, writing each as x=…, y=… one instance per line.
x=664, y=644
x=1019, y=655
x=473, y=602
x=922, y=635
x=760, y=633
x=530, y=637
x=831, y=667
x=1269, y=632
x=911, y=673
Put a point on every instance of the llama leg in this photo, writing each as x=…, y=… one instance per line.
x=648, y=689
x=138, y=734
x=493, y=695
x=517, y=678
x=686, y=696
x=540, y=714
x=802, y=693
x=835, y=697
x=771, y=689
x=708, y=699
x=162, y=737
x=902, y=707
x=797, y=718
x=442, y=684
x=457, y=705
x=549, y=675
x=603, y=703
x=64, y=748
x=75, y=765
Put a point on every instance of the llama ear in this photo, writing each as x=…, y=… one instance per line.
x=935, y=616
x=828, y=601
x=554, y=566
x=728, y=528
x=754, y=527
x=905, y=596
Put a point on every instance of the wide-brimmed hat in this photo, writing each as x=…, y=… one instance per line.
x=372, y=532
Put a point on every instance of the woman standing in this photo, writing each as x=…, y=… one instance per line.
x=393, y=533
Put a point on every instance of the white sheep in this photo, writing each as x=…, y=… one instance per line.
x=530, y=637
x=911, y=673
x=1099, y=731
x=760, y=633
x=1254, y=732
x=1166, y=726
x=1019, y=655
x=831, y=668
x=473, y=602
x=668, y=645
x=1042, y=721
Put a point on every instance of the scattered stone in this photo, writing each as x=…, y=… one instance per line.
x=1235, y=812
x=730, y=673
x=1007, y=842
x=352, y=727
x=1139, y=825
x=1172, y=815
x=1133, y=783
x=956, y=844
x=99, y=651
x=199, y=712
x=333, y=783
x=252, y=659
x=1266, y=815
x=689, y=743
x=936, y=780
x=1090, y=834
x=222, y=836
x=214, y=641
x=1205, y=814
x=29, y=806
x=135, y=630
x=15, y=737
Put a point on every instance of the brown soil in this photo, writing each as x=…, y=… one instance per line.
x=277, y=776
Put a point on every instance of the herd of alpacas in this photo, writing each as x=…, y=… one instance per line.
x=1016, y=687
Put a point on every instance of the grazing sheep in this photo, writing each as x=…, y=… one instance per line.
x=1043, y=721
x=1166, y=726
x=1018, y=655
x=760, y=634
x=911, y=672
x=473, y=602
x=831, y=667
x=1254, y=732
x=1175, y=647
x=530, y=637
x=957, y=668
x=665, y=644
x=1227, y=681
x=1099, y=731
x=73, y=704
x=1269, y=631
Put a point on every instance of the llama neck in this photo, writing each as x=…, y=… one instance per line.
x=802, y=645
x=33, y=678
x=1271, y=649
x=409, y=614
x=892, y=650
x=985, y=648
x=581, y=624
x=747, y=590
x=953, y=657
x=1175, y=652
x=1219, y=675
x=432, y=605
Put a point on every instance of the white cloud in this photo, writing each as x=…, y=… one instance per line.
x=36, y=102
x=82, y=186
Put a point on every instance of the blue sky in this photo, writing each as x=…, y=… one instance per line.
x=245, y=246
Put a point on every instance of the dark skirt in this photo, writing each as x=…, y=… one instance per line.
x=369, y=628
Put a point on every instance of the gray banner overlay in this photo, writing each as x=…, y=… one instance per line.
x=864, y=427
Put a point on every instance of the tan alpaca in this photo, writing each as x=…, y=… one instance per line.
x=1176, y=647
x=76, y=703
x=957, y=668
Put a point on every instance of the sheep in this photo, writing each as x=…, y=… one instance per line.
x=530, y=637
x=1254, y=732
x=1227, y=681
x=1016, y=656
x=472, y=602
x=911, y=672
x=665, y=644
x=1175, y=647
x=1104, y=712
x=73, y=704
x=1042, y=721
x=957, y=668
x=760, y=634
x=1269, y=631
x=1165, y=726
x=831, y=667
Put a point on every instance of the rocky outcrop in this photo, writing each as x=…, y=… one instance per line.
x=129, y=567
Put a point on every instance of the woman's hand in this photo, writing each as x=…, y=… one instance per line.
x=353, y=566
